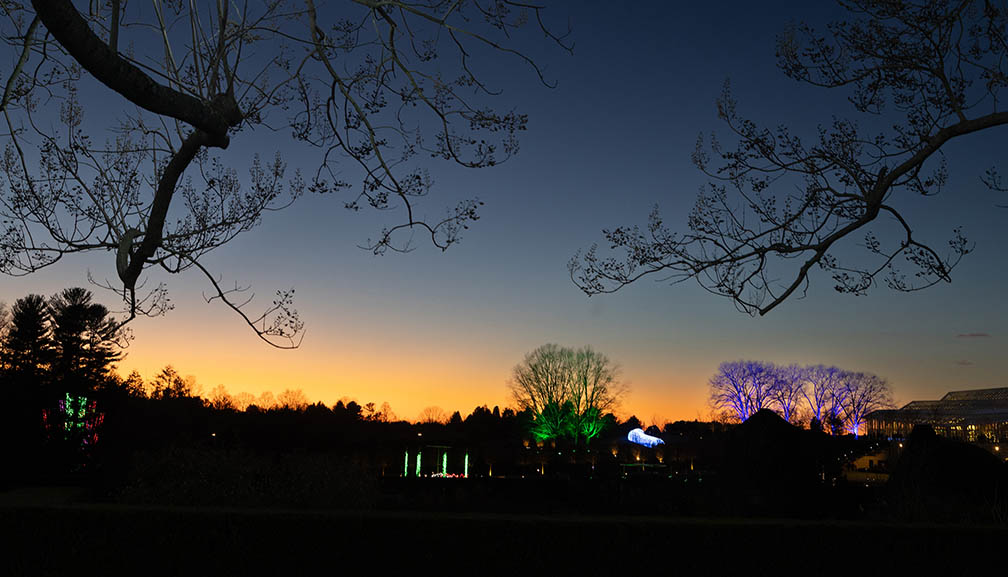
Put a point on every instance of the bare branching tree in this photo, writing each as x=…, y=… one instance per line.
x=220, y=399
x=385, y=85
x=780, y=205
x=835, y=396
x=742, y=388
x=819, y=388
x=787, y=389
x=860, y=394
x=568, y=391
x=293, y=399
x=432, y=415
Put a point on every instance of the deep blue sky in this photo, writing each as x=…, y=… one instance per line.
x=611, y=140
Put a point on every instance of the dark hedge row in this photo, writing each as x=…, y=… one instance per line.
x=200, y=541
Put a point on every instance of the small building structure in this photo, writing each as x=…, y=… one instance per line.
x=973, y=416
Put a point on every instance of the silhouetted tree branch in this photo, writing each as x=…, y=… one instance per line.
x=380, y=83
x=779, y=205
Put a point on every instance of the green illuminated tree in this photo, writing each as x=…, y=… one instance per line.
x=567, y=391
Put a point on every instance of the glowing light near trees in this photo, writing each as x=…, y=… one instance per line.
x=74, y=416
x=568, y=391
x=75, y=420
x=444, y=463
x=641, y=438
x=465, y=470
x=838, y=399
x=418, y=463
x=405, y=469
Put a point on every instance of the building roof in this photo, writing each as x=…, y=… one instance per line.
x=998, y=395
x=976, y=405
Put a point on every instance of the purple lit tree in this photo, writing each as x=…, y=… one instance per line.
x=840, y=399
x=787, y=387
x=819, y=391
x=860, y=394
x=742, y=387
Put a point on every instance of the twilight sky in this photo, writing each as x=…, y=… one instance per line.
x=611, y=140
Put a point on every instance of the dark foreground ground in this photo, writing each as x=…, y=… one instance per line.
x=42, y=534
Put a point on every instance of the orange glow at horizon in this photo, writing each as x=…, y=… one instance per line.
x=414, y=377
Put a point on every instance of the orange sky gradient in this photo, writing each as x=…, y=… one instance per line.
x=409, y=379
x=433, y=328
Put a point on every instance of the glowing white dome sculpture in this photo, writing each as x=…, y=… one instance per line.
x=641, y=438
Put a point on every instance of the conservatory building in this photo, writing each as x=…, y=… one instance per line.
x=974, y=416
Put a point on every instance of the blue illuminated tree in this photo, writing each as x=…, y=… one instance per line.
x=787, y=389
x=860, y=394
x=742, y=387
x=821, y=384
x=836, y=398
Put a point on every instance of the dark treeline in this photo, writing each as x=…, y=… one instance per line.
x=75, y=417
x=74, y=421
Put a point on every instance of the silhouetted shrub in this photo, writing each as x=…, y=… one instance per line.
x=772, y=467
x=939, y=479
x=235, y=478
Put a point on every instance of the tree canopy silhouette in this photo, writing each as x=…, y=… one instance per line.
x=779, y=205
x=27, y=345
x=386, y=85
x=87, y=341
x=831, y=395
x=568, y=391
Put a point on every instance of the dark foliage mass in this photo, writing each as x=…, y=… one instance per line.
x=214, y=542
x=778, y=469
x=159, y=442
x=941, y=479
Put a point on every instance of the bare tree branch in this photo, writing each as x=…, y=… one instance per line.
x=777, y=206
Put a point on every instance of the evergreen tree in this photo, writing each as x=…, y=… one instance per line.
x=26, y=355
x=27, y=346
x=84, y=338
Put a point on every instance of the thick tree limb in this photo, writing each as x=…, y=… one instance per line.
x=63, y=21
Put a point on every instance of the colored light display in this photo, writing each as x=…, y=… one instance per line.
x=444, y=464
x=641, y=438
x=465, y=470
x=75, y=420
x=418, y=463
x=405, y=469
x=74, y=417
